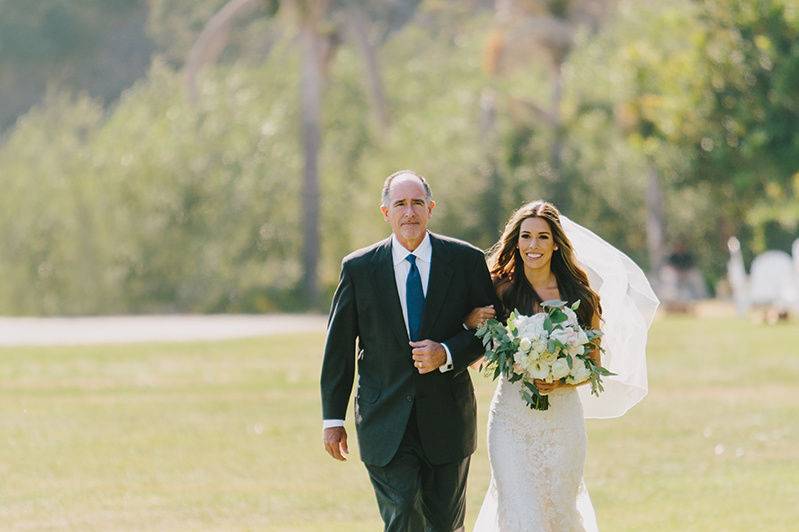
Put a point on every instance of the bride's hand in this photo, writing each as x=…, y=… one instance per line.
x=479, y=315
x=546, y=387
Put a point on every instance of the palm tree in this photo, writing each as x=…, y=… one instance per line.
x=306, y=19
x=550, y=26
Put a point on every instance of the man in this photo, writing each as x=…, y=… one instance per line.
x=404, y=300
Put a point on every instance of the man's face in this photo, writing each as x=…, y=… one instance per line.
x=408, y=210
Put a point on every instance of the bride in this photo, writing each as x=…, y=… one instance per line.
x=537, y=457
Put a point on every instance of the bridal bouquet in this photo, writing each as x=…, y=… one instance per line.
x=549, y=346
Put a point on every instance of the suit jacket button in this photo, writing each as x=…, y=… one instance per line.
x=409, y=398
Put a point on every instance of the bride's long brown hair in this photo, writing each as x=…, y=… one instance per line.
x=507, y=267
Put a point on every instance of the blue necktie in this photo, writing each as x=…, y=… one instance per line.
x=414, y=298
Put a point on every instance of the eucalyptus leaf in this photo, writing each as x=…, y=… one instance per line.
x=527, y=397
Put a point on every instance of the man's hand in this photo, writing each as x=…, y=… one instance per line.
x=335, y=439
x=428, y=356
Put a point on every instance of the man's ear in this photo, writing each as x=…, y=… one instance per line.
x=384, y=210
x=432, y=205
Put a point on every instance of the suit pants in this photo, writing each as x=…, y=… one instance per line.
x=414, y=495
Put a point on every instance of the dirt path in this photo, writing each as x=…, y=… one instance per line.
x=170, y=328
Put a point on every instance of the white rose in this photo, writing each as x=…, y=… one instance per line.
x=533, y=356
x=525, y=344
x=530, y=364
x=560, y=368
x=563, y=336
x=572, y=317
x=580, y=338
x=575, y=350
x=521, y=324
x=531, y=326
x=539, y=370
x=577, y=342
x=579, y=372
x=538, y=346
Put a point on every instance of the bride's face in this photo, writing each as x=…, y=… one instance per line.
x=536, y=243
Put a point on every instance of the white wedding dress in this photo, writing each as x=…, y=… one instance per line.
x=537, y=457
x=537, y=462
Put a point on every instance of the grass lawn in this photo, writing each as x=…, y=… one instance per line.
x=226, y=436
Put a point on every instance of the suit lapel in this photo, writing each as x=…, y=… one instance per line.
x=437, y=285
x=386, y=290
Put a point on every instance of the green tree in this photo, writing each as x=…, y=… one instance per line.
x=93, y=45
x=318, y=26
x=749, y=149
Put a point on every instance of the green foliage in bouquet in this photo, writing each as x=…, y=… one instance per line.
x=498, y=358
x=543, y=346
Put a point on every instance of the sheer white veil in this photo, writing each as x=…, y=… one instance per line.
x=628, y=308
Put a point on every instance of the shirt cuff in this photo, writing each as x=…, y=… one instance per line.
x=443, y=368
x=330, y=423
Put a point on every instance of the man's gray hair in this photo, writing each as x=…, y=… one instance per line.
x=428, y=194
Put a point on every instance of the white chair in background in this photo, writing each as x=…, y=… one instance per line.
x=772, y=284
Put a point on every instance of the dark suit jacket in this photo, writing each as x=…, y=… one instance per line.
x=366, y=308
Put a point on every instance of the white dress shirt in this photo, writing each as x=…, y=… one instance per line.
x=424, y=256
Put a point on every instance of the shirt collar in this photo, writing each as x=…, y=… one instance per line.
x=423, y=251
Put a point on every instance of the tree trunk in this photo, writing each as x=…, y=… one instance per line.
x=491, y=200
x=560, y=192
x=310, y=94
x=213, y=39
x=655, y=221
x=358, y=29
